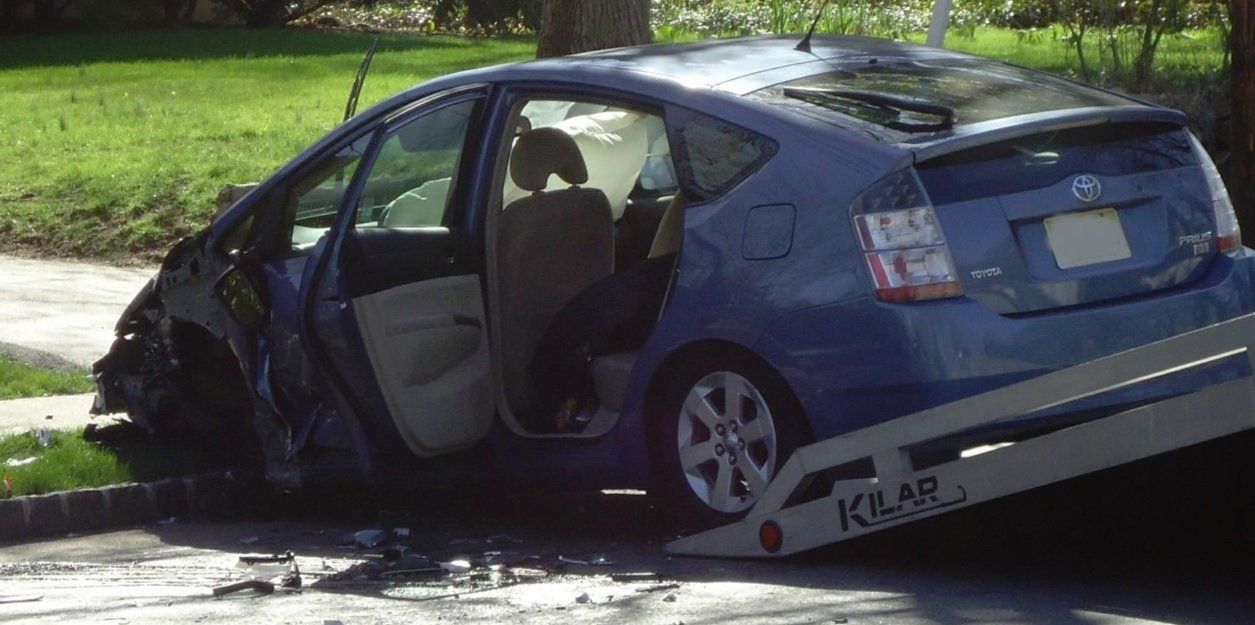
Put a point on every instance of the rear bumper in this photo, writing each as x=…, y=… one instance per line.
x=863, y=362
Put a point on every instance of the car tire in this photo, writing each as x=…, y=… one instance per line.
x=710, y=456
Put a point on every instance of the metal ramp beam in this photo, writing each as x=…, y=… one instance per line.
x=899, y=494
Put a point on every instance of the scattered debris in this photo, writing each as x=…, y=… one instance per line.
x=262, y=587
x=369, y=539
x=14, y=462
x=634, y=577
x=456, y=566
x=598, y=561
x=267, y=568
x=584, y=598
x=669, y=598
x=659, y=587
x=20, y=598
x=395, y=554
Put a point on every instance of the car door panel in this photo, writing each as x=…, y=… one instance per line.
x=378, y=259
x=428, y=347
x=399, y=310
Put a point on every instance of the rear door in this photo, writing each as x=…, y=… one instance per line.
x=1074, y=217
x=402, y=283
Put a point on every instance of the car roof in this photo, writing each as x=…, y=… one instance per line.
x=743, y=64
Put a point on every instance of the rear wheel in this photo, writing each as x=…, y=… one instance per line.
x=723, y=432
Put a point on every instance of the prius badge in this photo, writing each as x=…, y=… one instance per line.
x=1087, y=188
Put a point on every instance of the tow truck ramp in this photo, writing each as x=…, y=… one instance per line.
x=900, y=494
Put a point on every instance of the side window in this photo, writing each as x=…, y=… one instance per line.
x=412, y=178
x=713, y=155
x=314, y=201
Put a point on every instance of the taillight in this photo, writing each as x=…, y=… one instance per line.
x=902, y=241
x=1228, y=234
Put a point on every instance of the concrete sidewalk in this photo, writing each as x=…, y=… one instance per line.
x=60, y=314
x=58, y=413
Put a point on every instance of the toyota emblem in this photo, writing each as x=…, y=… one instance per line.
x=1087, y=188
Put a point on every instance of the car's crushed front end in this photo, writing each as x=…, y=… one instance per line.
x=183, y=366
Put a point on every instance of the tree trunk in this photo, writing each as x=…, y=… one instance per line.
x=1242, y=161
x=571, y=26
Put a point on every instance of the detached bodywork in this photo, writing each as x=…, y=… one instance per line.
x=350, y=346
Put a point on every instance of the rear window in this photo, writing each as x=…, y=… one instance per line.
x=976, y=90
x=1043, y=159
x=713, y=155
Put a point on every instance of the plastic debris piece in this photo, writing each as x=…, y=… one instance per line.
x=251, y=540
x=584, y=598
x=20, y=598
x=598, y=561
x=431, y=571
x=168, y=521
x=369, y=539
x=267, y=568
x=395, y=554
x=262, y=587
x=658, y=587
x=14, y=462
x=669, y=598
x=634, y=577
x=43, y=436
x=456, y=566
x=401, y=532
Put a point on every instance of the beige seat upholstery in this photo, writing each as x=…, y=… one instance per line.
x=613, y=145
x=551, y=245
x=670, y=230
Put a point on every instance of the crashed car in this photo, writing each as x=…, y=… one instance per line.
x=835, y=236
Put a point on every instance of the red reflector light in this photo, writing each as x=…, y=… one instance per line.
x=921, y=292
x=1229, y=242
x=770, y=536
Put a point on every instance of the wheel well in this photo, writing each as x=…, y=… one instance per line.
x=209, y=367
x=716, y=349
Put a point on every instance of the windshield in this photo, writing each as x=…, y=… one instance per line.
x=976, y=90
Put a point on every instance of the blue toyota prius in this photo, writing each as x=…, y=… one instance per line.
x=667, y=267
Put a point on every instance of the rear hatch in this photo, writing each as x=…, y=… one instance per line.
x=1050, y=193
x=1074, y=216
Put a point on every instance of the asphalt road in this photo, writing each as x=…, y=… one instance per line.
x=1163, y=541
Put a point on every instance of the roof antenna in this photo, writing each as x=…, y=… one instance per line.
x=805, y=44
x=350, y=108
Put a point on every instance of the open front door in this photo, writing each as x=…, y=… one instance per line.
x=406, y=278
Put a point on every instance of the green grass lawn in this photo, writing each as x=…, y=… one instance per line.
x=19, y=380
x=117, y=454
x=1187, y=60
x=115, y=145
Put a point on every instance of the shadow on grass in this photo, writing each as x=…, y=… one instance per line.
x=208, y=44
x=116, y=453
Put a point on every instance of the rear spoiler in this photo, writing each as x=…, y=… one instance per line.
x=964, y=137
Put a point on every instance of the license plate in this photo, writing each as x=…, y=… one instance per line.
x=1089, y=238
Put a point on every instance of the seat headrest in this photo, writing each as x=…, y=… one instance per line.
x=543, y=152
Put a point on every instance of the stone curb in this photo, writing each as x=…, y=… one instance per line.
x=204, y=495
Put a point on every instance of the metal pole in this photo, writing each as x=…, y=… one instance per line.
x=940, y=22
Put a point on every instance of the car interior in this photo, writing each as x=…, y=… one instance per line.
x=587, y=191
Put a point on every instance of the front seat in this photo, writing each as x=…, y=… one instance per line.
x=551, y=245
